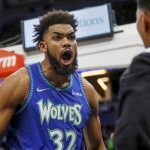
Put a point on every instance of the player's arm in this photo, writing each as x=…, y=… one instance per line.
x=12, y=93
x=92, y=131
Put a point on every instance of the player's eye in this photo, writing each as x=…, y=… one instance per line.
x=71, y=37
x=56, y=37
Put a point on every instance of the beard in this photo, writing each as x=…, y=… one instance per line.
x=63, y=70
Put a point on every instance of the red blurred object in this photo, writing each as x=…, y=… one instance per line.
x=10, y=62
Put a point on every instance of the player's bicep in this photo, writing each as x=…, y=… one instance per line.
x=9, y=99
x=92, y=131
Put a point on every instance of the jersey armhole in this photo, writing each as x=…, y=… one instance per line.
x=84, y=94
x=29, y=93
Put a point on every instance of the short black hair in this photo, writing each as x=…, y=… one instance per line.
x=144, y=4
x=51, y=18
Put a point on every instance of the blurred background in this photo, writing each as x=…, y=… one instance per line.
x=12, y=11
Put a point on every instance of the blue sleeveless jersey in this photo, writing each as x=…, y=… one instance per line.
x=52, y=118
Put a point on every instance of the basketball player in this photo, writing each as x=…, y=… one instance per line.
x=47, y=105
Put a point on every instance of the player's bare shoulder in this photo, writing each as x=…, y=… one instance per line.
x=87, y=85
x=90, y=91
x=16, y=86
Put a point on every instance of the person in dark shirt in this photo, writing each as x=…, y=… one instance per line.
x=132, y=131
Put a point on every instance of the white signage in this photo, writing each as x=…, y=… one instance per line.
x=92, y=22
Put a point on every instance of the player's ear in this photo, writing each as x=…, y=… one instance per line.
x=146, y=22
x=42, y=46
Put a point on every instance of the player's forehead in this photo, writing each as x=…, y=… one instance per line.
x=60, y=28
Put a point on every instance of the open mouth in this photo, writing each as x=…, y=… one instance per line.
x=66, y=57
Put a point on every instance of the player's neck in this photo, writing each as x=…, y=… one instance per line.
x=55, y=79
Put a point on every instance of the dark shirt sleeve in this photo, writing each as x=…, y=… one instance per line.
x=132, y=131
